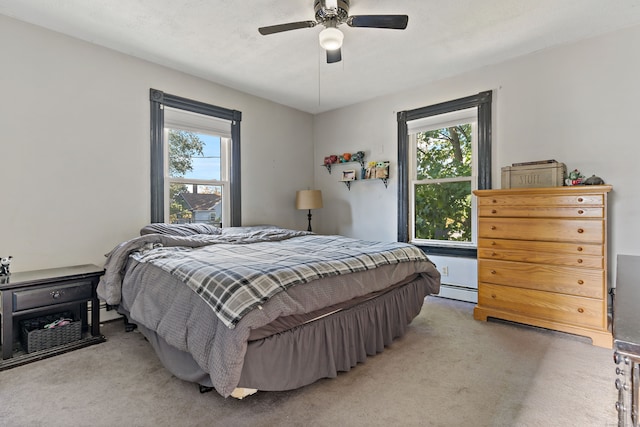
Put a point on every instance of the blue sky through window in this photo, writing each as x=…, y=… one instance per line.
x=207, y=166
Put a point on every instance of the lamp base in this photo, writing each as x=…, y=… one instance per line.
x=309, y=217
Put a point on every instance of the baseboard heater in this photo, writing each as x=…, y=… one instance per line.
x=458, y=292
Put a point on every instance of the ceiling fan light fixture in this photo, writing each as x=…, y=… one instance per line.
x=331, y=4
x=331, y=38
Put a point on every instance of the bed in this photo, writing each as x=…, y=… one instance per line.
x=242, y=309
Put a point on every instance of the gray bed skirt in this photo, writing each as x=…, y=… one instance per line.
x=315, y=350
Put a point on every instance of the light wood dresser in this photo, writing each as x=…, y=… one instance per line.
x=542, y=258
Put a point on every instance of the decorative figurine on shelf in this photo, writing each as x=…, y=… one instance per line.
x=371, y=170
x=574, y=178
x=593, y=180
x=346, y=157
x=5, y=261
x=333, y=158
x=382, y=170
x=358, y=157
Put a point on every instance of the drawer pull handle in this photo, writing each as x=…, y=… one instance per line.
x=493, y=243
x=494, y=201
x=494, y=211
x=580, y=282
x=579, y=248
x=579, y=260
x=55, y=294
x=493, y=254
x=580, y=199
x=580, y=211
x=493, y=296
x=580, y=230
x=493, y=272
x=493, y=227
x=581, y=310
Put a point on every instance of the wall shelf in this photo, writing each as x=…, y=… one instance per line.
x=385, y=181
x=330, y=165
x=374, y=171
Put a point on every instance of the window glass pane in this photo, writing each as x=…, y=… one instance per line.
x=195, y=203
x=194, y=155
x=444, y=152
x=443, y=211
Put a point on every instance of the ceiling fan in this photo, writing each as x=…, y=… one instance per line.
x=331, y=14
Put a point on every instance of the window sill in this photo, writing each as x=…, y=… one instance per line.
x=457, y=251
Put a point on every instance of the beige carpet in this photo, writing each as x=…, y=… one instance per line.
x=448, y=370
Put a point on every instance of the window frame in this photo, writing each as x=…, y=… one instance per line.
x=481, y=101
x=159, y=100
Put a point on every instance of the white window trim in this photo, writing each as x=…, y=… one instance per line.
x=207, y=125
x=432, y=123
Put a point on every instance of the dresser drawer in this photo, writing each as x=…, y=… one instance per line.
x=586, y=261
x=554, y=230
x=541, y=211
x=539, y=246
x=51, y=295
x=566, y=280
x=542, y=200
x=579, y=311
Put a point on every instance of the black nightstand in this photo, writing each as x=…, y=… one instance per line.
x=29, y=294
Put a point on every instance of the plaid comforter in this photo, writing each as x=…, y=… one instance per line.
x=235, y=277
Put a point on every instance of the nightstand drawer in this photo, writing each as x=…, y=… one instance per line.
x=51, y=295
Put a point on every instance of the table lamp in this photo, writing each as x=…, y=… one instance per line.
x=309, y=199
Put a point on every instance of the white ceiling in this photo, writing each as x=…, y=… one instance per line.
x=218, y=40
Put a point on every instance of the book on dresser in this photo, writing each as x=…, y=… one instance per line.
x=542, y=258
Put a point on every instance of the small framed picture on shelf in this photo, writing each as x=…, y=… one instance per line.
x=349, y=175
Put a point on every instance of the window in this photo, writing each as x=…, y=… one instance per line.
x=444, y=153
x=196, y=168
x=195, y=162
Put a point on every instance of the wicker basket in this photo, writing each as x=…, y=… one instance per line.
x=35, y=337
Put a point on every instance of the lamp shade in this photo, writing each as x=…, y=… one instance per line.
x=331, y=38
x=309, y=199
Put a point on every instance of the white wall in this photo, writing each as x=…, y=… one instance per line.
x=577, y=103
x=74, y=156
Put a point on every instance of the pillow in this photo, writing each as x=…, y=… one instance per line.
x=179, y=229
x=247, y=229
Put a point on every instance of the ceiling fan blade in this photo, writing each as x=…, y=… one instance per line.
x=393, y=22
x=286, y=27
x=334, y=56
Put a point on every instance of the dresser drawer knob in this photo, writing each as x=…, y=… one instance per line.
x=55, y=294
x=581, y=310
x=579, y=248
x=580, y=230
x=493, y=254
x=493, y=296
x=580, y=211
x=580, y=199
x=494, y=201
x=493, y=211
x=493, y=243
x=493, y=227
x=580, y=282
x=579, y=261
x=493, y=272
